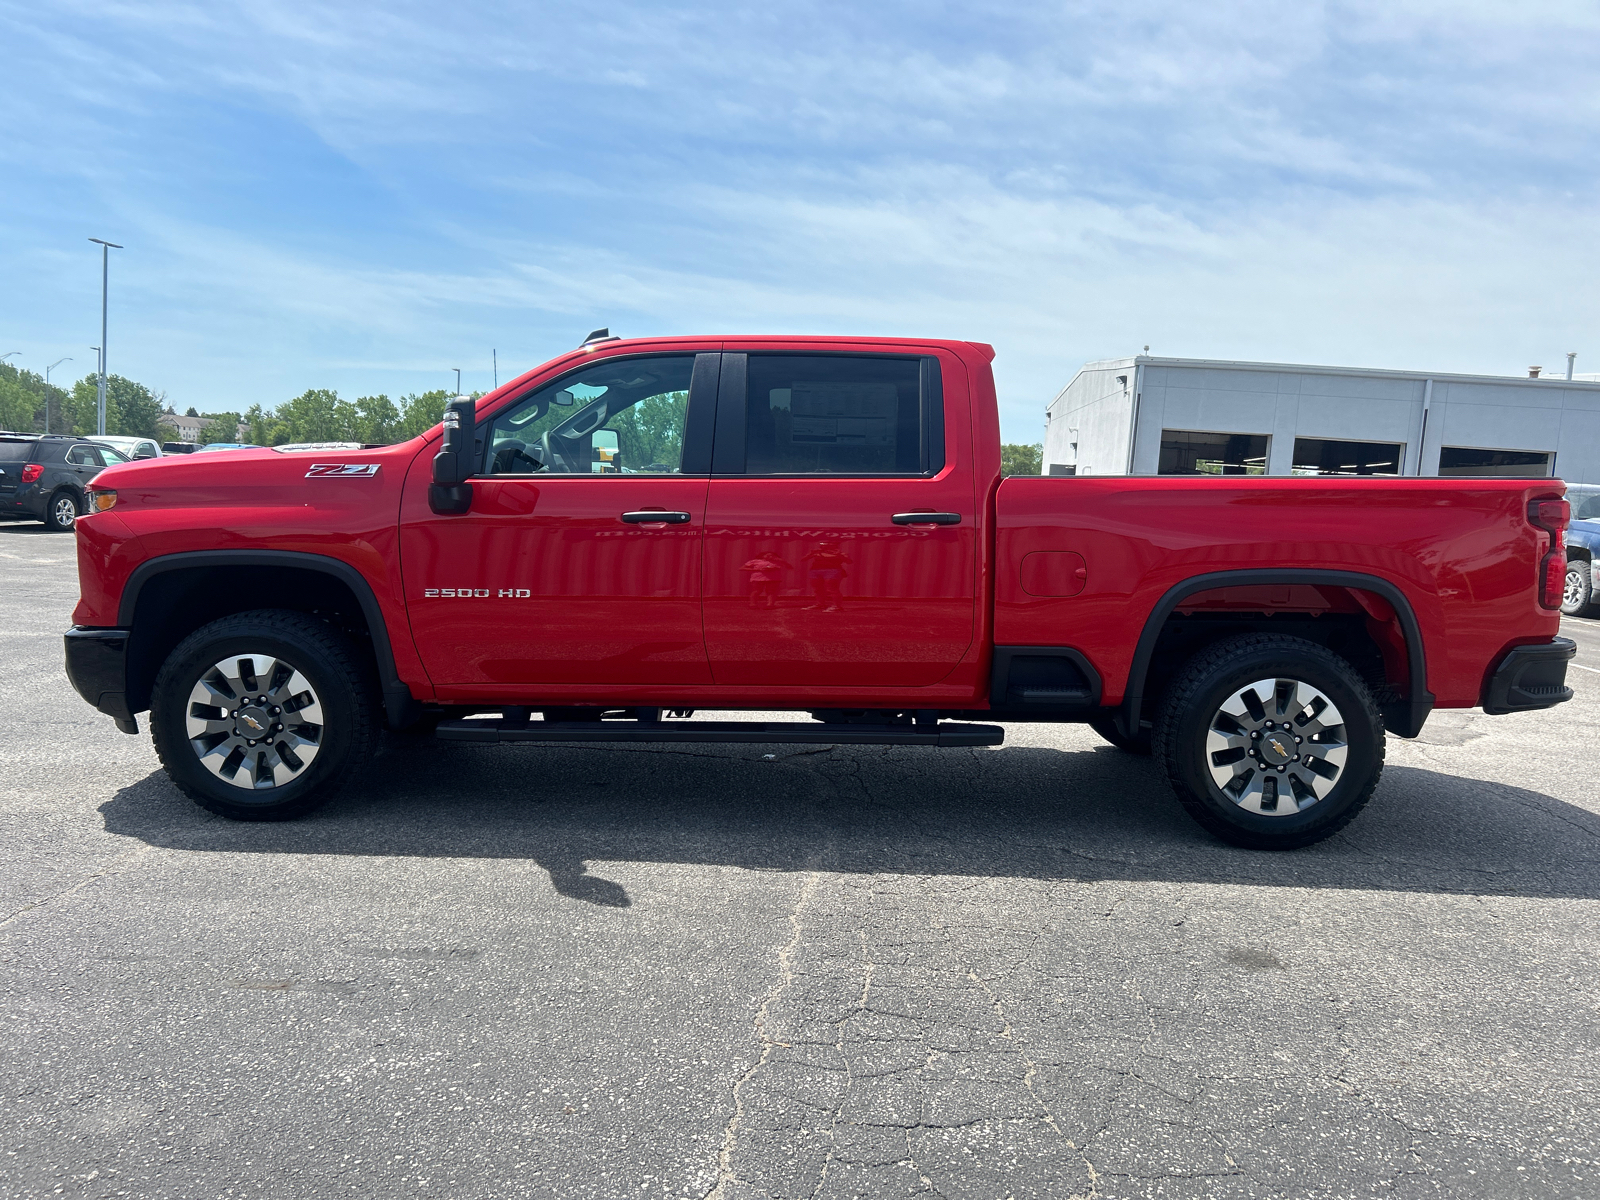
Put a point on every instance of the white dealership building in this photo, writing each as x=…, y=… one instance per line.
x=1146, y=415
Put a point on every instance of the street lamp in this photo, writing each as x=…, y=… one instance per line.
x=47, y=371
x=3, y=357
x=105, y=277
x=457, y=370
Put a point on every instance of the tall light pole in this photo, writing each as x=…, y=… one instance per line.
x=457, y=370
x=3, y=357
x=47, y=371
x=105, y=278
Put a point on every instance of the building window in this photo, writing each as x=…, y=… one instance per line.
x=1517, y=464
x=1323, y=456
x=1189, y=452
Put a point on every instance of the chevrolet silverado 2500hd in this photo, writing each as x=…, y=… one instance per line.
x=641, y=528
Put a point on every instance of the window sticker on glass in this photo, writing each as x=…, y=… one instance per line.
x=845, y=414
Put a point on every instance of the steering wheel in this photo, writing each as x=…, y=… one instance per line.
x=554, y=459
x=512, y=458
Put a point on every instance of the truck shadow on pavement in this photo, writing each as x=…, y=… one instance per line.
x=1023, y=812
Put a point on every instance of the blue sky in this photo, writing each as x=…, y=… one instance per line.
x=315, y=195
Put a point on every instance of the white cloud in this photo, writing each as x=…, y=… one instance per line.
x=324, y=191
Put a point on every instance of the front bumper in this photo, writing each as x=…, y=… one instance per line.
x=97, y=665
x=1530, y=677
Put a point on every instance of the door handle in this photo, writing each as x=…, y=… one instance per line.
x=926, y=518
x=654, y=517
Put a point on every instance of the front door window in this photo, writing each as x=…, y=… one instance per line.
x=619, y=417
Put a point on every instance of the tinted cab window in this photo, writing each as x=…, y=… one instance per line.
x=837, y=415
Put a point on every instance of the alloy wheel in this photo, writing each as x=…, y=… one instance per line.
x=1276, y=747
x=254, y=721
x=66, y=511
x=1572, y=593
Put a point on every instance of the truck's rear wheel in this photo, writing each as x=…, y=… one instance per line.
x=1270, y=742
x=263, y=716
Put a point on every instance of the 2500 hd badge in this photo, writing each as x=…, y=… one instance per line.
x=475, y=593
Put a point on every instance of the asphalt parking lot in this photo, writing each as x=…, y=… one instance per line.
x=787, y=971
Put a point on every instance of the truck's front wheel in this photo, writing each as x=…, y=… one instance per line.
x=263, y=716
x=1270, y=742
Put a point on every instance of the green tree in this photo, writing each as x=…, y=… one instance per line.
x=1021, y=460
x=137, y=408
x=79, y=413
x=23, y=399
x=262, y=427
x=377, y=420
x=17, y=406
x=651, y=432
x=318, y=415
x=418, y=414
x=132, y=410
x=224, y=427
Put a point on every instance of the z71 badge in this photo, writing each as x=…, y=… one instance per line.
x=343, y=470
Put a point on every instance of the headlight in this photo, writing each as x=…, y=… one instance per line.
x=101, y=499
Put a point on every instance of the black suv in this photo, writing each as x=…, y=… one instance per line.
x=44, y=477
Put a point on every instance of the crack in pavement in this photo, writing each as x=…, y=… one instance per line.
x=116, y=867
x=730, y=1134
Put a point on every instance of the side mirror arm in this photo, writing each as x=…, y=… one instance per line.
x=450, y=493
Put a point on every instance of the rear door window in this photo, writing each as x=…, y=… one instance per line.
x=845, y=414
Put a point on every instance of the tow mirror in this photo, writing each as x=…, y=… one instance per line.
x=452, y=466
x=604, y=456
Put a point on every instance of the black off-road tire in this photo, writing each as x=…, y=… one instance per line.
x=56, y=506
x=344, y=682
x=1578, y=594
x=1222, y=670
x=1107, y=729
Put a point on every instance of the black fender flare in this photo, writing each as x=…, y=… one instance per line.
x=1405, y=719
x=398, y=703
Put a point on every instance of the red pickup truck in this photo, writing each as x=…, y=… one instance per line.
x=641, y=528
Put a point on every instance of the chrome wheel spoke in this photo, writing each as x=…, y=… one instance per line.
x=1275, y=746
x=254, y=721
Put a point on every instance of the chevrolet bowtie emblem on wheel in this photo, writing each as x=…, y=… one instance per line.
x=344, y=470
x=252, y=722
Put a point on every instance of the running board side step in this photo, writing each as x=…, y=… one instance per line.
x=757, y=732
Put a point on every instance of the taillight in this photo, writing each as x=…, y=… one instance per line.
x=1553, y=516
x=31, y=472
x=1554, y=579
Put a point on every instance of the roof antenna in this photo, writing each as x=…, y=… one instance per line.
x=598, y=335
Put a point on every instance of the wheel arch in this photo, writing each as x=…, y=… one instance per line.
x=1403, y=717
x=168, y=597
